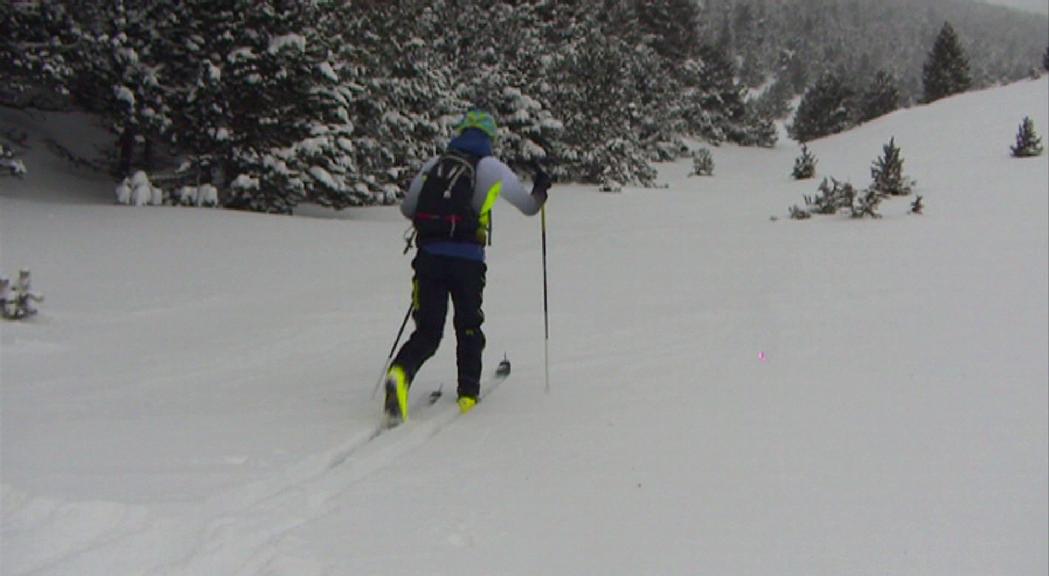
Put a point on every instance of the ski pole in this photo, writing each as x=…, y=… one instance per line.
x=546, y=304
x=393, y=349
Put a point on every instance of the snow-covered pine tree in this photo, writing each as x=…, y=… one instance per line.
x=717, y=99
x=38, y=53
x=825, y=109
x=1028, y=143
x=775, y=101
x=199, y=39
x=696, y=90
x=881, y=96
x=887, y=172
x=946, y=69
x=513, y=83
x=670, y=27
x=597, y=99
x=267, y=111
x=804, y=165
x=119, y=73
x=405, y=94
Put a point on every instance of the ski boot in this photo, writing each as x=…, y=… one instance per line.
x=466, y=403
x=396, y=405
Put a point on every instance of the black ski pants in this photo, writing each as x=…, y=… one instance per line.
x=436, y=279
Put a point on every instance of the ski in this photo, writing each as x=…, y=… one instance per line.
x=489, y=384
x=500, y=374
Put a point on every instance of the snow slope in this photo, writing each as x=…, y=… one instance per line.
x=730, y=394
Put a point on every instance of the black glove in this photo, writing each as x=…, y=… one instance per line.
x=540, y=184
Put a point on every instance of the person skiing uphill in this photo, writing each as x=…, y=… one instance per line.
x=449, y=203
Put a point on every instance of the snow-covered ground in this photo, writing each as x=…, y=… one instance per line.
x=729, y=394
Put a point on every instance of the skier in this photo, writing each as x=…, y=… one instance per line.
x=449, y=203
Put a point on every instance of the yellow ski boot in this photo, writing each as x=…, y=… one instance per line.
x=466, y=403
x=396, y=405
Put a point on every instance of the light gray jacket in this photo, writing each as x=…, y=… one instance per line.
x=493, y=179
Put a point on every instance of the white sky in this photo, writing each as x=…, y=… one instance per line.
x=1040, y=6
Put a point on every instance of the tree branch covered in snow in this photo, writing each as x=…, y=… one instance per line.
x=339, y=103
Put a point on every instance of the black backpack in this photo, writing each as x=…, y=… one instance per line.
x=445, y=207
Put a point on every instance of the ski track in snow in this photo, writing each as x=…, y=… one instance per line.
x=237, y=532
x=243, y=539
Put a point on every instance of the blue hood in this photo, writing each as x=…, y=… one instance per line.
x=472, y=141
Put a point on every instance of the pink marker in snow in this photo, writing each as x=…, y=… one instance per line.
x=762, y=357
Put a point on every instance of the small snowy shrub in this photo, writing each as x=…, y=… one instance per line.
x=185, y=196
x=19, y=301
x=833, y=196
x=123, y=193
x=204, y=195
x=866, y=205
x=139, y=191
x=887, y=173
x=207, y=196
x=1028, y=143
x=797, y=213
x=917, y=206
x=7, y=295
x=804, y=165
x=702, y=163
x=9, y=165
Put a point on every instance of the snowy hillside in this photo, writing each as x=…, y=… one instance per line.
x=730, y=394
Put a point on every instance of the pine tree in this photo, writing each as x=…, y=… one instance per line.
x=1045, y=59
x=866, y=205
x=825, y=109
x=881, y=97
x=833, y=196
x=887, y=173
x=804, y=165
x=39, y=44
x=407, y=91
x=946, y=69
x=774, y=102
x=117, y=71
x=597, y=101
x=1028, y=143
x=671, y=27
x=267, y=117
x=513, y=82
x=720, y=96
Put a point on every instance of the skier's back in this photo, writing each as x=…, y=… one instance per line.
x=450, y=202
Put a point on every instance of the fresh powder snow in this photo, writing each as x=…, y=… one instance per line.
x=732, y=391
